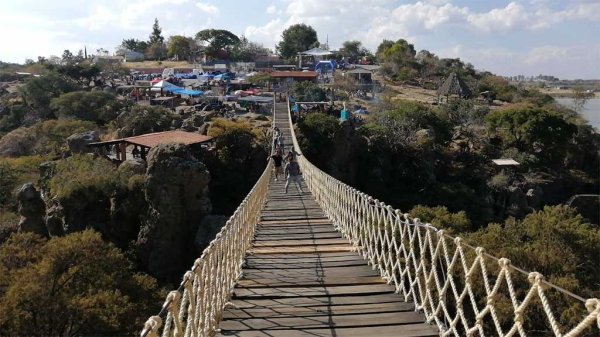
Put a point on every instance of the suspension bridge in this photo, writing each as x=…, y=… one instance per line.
x=331, y=261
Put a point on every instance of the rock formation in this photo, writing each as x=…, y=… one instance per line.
x=32, y=210
x=78, y=142
x=177, y=194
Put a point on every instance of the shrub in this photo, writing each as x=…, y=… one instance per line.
x=317, y=137
x=142, y=119
x=97, y=106
x=77, y=284
x=441, y=218
x=83, y=173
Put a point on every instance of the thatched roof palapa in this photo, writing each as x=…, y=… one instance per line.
x=454, y=85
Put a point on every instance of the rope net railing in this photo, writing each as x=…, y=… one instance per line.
x=196, y=307
x=460, y=288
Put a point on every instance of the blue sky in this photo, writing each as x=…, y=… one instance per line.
x=531, y=37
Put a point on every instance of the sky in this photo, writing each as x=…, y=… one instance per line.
x=530, y=37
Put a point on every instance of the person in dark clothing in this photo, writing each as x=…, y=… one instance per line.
x=277, y=163
x=292, y=171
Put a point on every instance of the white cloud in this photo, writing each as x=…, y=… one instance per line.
x=271, y=9
x=207, y=8
x=500, y=19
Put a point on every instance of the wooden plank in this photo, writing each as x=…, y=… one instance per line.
x=285, y=302
x=300, y=249
x=319, y=310
x=308, y=281
x=323, y=221
x=296, y=236
x=360, y=320
x=276, y=292
x=406, y=330
x=350, y=271
x=306, y=242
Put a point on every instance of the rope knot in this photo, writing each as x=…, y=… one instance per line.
x=479, y=251
x=593, y=304
x=518, y=316
x=491, y=300
x=503, y=262
x=440, y=233
x=172, y=299
x=535, y=278
x=152, y=325
x=457, y=240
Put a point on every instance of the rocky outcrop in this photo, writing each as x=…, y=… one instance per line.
x=176, y=190
x=207, y=230
x=32, y=210
x=77, y=143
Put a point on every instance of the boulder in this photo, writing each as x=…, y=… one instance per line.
x=176, y=191
x=55, y=220
x=207, y=230
x=32, y=210
x=135, y=166
x=587, y=205
x=78, y=142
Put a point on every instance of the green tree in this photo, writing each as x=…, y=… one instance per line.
x=239, y=162
x=308, y=92
x=317, y=137
x=398, y=59
x=351, y=49
x=68, y=57
x=97, y=106
x=134, y=45
x=142, y=119
x=398, y=127
x=441, y=218
x=156, y=51
x=218, y=42
x=179, y=47
x=260, y=78
x=534, y=130
x=80, y=73
x=296, y=38
x=156, y=35
x=247, y=51
x=71, y=286
x=37, y=92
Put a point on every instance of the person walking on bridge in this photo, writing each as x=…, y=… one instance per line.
x=277, y=163
x=292, y=171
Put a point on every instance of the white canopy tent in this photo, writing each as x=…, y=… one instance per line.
x=315, y=52
x=166, y=86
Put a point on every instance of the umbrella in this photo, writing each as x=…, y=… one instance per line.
x=238, y=92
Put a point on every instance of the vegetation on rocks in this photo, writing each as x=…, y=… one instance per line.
x=72, y=285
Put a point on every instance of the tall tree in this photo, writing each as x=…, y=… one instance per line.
x=67, y=57
x=296, y=38
x=179, y=47
x=134, y=45
x=156, y=35
x=218, y=42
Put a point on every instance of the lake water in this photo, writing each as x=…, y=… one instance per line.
x=591, y=110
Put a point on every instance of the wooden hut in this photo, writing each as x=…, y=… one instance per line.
x=454, y=86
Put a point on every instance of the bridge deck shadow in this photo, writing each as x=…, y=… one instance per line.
x=301, y=278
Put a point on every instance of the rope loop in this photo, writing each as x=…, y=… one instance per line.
x=535, y=278
x=151, y=326
x=504, y=263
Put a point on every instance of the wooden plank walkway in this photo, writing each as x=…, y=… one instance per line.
x=302, y=278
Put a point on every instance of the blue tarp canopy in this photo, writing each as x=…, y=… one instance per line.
x=188, y=92
x=222, y=77
x=326, y=66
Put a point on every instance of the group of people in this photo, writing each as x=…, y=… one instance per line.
x=292, y=169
